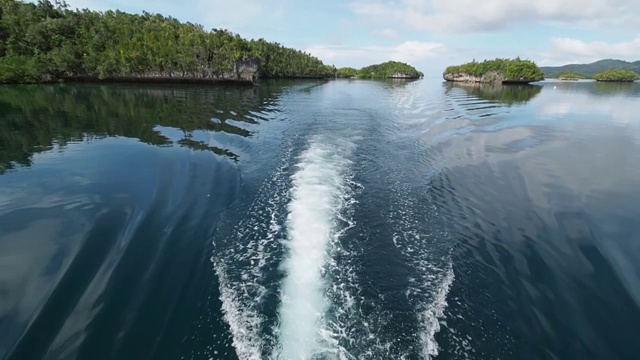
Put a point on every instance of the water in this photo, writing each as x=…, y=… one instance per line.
x=320, y=220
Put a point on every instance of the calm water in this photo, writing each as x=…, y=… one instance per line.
x=320, y=220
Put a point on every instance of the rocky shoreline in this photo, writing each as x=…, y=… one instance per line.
x=245, y=72
x=489, y=78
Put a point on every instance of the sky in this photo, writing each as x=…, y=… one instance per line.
x=428, y=34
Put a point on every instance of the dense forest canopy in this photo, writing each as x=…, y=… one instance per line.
x=509, y=69
x=616, y=75
x=389, y=69
x=49, y=41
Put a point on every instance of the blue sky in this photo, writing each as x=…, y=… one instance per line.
x=429, y=34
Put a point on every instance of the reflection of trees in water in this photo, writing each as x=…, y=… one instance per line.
x=34, y=118
x=615, y=87
x=396, y=83
x=506, y=94
x=599, y=88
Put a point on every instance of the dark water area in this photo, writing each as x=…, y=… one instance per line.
x=320, y=220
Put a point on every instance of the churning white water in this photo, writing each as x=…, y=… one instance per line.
x=318, y=194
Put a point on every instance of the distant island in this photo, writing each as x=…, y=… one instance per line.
x=386, y=70
x=587, y=71
x=616, y=75
x=498, y=71
x=570, y=76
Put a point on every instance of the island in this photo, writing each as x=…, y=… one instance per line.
x=616, y=75
x=498, y=71
x=569, y=76
x=49, y=42
x=385, y=70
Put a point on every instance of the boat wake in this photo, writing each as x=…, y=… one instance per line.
x=289, y=271
x=245, y=261
x=320, y=194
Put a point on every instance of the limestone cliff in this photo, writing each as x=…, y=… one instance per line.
x=492, y=77
x=244, y=71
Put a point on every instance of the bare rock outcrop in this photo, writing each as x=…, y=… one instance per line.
x=491, y=77
x=244, y=71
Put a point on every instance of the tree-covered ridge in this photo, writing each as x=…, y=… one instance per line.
x=386, y=70
x=616, y=75
x=593, y=68
x=503, y=69
x=48, y=41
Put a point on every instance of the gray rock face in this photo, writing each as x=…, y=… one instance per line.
x=491, y=77
x=245, y=71
x=398, y=75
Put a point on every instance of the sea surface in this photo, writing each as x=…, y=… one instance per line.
x=344, y=219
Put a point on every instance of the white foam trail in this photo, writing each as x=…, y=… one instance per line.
x=319, y=192
x=430, y=316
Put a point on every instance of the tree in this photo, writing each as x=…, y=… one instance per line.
x=48, y=41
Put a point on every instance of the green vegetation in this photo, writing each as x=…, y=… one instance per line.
x=569, y=75
x=617, y=75
x=49, y=42
x=386, y=70
x=389, y=69
x=499, y=70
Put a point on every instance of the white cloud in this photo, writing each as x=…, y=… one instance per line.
x=486, y=15
x=598, y=49
x=409, y=51
x=568, y=50
x=614, y=106
x=386, y=33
